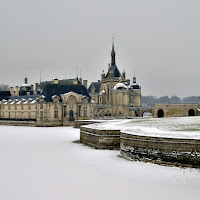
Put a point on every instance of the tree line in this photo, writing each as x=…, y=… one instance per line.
x=149, y=101
x=4, y=87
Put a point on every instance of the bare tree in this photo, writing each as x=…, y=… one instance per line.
x=4, y=87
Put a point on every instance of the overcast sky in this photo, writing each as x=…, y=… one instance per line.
x=160, y=39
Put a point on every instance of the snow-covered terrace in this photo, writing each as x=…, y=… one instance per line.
x=175, y=127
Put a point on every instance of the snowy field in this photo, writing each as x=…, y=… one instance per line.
x=50, y=164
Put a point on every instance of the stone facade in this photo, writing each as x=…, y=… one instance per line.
x=46, y=109
x=176, y=110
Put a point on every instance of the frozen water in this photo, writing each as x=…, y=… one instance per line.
x=50, y=164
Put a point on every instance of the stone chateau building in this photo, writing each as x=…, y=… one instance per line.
x=113, y=95
x=60, y=102
x=52, y=103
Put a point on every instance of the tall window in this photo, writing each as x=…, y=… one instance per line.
x=85, y=113
x=85, y=105
x=55, y=114
x=71, y=104
x=41, y=115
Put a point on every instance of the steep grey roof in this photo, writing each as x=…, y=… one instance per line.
x=61, y=82
x=97, y=86
x=58, y=89
x=114, y=70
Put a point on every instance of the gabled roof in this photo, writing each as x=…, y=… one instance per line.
x=58, y=89
x=97, y=86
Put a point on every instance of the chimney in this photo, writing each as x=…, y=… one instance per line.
x=16, y=91
x=36, y=86
x=28, y=93
x=55, y=81
x=75, y=82
x=32, y=88
x=11, y=91
x=80, y=80
x=34, y=93
x=85, y=83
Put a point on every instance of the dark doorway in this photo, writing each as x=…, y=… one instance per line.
x=160, y=113
x=71, y=115
x=191, y=112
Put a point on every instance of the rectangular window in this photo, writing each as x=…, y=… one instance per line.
x=55, y=114
x=41, y=115
x=71, y=104
x=85, y=113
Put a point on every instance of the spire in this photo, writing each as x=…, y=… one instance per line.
x=113, y=54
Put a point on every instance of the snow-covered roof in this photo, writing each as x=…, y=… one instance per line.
x=120, y=86
x=25, y=85
x=103, y=92
x=92, y=101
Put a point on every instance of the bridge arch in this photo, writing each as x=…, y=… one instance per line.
x=160, y=113
x=191, y=112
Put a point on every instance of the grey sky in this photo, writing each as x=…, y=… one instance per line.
x=160, y=39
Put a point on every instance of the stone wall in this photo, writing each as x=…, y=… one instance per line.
x=100, y=139
x=17, y=123
x=174, y=151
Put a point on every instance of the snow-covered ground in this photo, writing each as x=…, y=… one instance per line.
x=50, y=164
x=172, y=127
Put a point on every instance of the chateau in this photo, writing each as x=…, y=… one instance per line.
x=114, y=96
x=60, y=102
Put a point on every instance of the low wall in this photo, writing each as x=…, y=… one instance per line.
x=79, y=123
x=100, y=139
x=17, y=123
x=162, y=150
